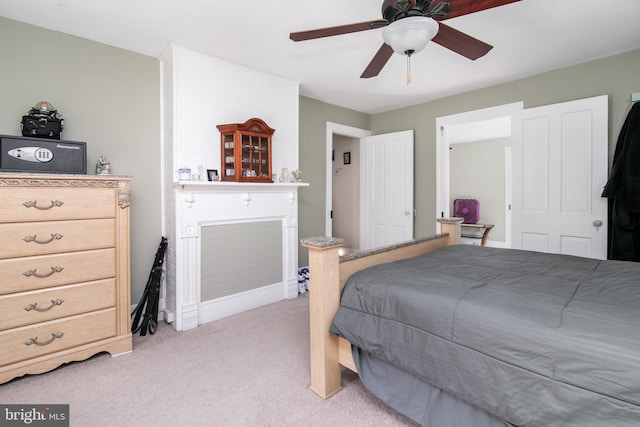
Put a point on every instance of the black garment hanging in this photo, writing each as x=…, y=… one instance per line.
x=623, y=192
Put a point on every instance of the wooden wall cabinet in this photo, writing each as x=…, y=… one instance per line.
x=246, y=151
x=64, y=270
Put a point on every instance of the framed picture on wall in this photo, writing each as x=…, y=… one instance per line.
x=346, y=157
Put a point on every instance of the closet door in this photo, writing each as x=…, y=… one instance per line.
x=559, y=168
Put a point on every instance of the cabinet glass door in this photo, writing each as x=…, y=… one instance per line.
x=229, y=155
x=255, y=156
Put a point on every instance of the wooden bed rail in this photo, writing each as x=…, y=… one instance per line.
x=328, y=273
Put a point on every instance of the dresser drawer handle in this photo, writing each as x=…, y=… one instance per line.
x=34, y=340
x=34, y=204
x=35, y=307
x=34, y=238
x=56, y=269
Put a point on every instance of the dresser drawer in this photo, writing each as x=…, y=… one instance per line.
x=37, y=238
x=27, y=308
x=46, y=271
x=56, y=203
x=37, y=340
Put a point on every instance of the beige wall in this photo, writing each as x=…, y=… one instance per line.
x=314, y=116
x=616, y=76
x=346, y=191
x=109, y=98
x=477, y=170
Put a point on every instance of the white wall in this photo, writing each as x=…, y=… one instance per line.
x=209, y=91
x=200, y=92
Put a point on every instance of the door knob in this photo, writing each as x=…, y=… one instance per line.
x=597, y=223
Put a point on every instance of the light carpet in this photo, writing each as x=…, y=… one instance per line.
x=251, y=369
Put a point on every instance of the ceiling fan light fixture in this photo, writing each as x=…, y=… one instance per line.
x=410, y=35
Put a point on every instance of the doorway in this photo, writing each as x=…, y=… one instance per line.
x=491, y=127
x=346, y=190
x=383, y=188
x=338, y=135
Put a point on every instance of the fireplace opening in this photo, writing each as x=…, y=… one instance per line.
x=240, y=257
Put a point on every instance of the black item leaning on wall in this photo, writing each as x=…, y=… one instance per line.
x=145, y=316
x=623, y=192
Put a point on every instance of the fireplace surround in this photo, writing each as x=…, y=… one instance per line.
x=216, y=219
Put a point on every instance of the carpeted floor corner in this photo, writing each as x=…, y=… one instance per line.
x=251, y=369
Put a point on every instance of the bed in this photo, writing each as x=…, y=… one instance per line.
x=503, y=337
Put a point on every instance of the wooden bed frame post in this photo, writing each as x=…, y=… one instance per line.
x=328, y=274
x=324, y=298
x=451, y=226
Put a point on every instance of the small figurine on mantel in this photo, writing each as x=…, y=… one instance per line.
x=297, y=175
x=103, y=167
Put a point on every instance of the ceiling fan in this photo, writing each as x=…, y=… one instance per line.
x=410, y=24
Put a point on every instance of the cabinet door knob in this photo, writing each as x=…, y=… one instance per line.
x=34, y=204
x=34, y=340
x=29, y=273
x=34, y=306
x=34, y=238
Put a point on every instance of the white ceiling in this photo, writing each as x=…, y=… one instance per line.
x=529, y=37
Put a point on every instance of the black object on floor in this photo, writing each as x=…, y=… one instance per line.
x=145, y=316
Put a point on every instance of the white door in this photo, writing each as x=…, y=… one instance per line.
x=388, y=189
x=559, y=167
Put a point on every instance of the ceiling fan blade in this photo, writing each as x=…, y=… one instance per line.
x=460, y=42
x=338, y=30
x=439, y=11
x=465, y=7
x=378, y=62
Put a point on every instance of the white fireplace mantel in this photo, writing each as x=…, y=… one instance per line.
x=239, y=186
x=191, y=188
x=203, y=203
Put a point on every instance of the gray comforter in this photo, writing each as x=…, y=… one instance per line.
x=535, y=339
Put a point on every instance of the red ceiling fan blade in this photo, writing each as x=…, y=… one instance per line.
x=465, y=7
x=335, y=31
x=460, y=42
x=378, y=62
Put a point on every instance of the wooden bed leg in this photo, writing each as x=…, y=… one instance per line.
x=451, y=226
x=324, y=298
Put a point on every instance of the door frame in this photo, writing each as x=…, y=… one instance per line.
x=442, y=146
x=344, y=130
x=507, y=196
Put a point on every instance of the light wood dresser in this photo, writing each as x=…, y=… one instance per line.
x=64, y=270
